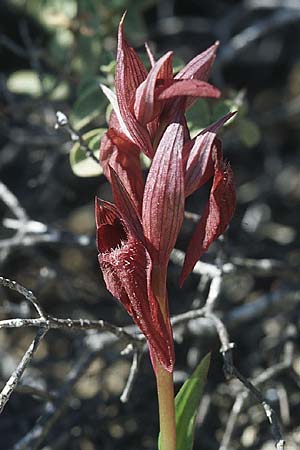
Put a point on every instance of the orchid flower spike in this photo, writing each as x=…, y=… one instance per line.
x=136, y=234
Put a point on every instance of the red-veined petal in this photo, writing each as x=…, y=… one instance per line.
x=124, y=157
x=130, y=73
x=163, y=203
x=191, y=88
x=215, y=218
x=126, y=205
x=199, y=67
x=130, y=70
x=197, y=156
x=145, y=107
x=126, y=268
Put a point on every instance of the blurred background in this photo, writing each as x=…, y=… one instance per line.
x=53, y=56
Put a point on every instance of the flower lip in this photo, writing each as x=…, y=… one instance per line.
x=111, y=232
x=110, y=236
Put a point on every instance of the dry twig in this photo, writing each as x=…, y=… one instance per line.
x=226, y=350
x=62, y=121
x=130, y=335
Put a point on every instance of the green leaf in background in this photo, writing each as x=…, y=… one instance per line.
x=187, y=403
x=27, y=82
x=81, y=164
x=198, y=116
x=89, y=104
x=24, y=82
x=248, y=132
x=145, y=161
x=222, y=108
x=205, y=112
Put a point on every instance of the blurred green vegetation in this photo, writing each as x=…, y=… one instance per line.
x=82, y=41
x=80, y=54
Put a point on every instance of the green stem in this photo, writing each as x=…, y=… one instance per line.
x=165, y=391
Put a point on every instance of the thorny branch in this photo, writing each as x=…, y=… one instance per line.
x=242, y=397
x=135, y=341
x=130, y=335
x=229, y=368
x=14, y=286
x=53, y=410
x=15, y=377
x=11, y=201
x=136, y=358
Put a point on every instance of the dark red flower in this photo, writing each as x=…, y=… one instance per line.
x=126, y=267
x=136, y=235
x=133, y=247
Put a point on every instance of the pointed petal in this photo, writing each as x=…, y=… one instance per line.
x=130, y=73
x=130, y=70
x=144, y=106
x=220, y=122
x=192, y=88
x=150, y=54
x=197, y=154
x=215, y=218
x=173, y=112
x=114, y=102
x=152, y=128
x=124, y=157
x=199, y=166
x=126, y=205
x=107, y=147
x=125, y=264
x=163, y=204
x=169, y=343
x=154, y=300
x=105, y=212
x=199, y=67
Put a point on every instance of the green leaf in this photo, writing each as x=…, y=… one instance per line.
x=145, y=161
x=24, y=82
x=221, y=109
x=198, y=116
x=27, y=82
x=235, y=102
x=248, y=132
x=81, y=164
x=89, y=104
x=187, y=403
